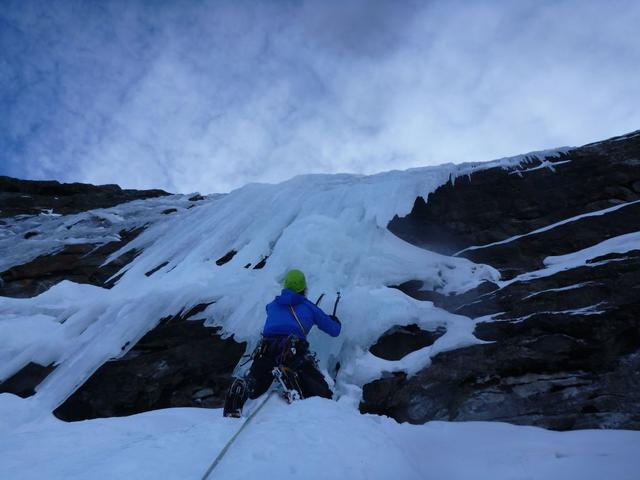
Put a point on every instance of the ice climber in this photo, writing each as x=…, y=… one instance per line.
x=284, y=346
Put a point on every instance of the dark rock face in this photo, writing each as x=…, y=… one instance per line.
x=399, y=341
x=566, y=347
x=180, y=363
x=30, y=197
x=24, y=382
x=261, y=264
x=227, y=257
x=495, y=204
x=80, y=263
x=563, y=399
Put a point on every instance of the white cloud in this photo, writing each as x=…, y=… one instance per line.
x=211, y=95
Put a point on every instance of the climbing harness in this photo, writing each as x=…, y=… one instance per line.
x=259, y=350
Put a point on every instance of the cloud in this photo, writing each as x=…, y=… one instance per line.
x=209, y=95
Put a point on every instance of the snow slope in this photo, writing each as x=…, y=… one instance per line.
x=312, y=439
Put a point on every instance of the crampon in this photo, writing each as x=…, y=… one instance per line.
x=236, y=398
x=288, y=382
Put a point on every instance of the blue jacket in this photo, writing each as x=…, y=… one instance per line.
x=280, y=320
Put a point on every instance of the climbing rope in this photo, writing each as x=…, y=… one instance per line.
x=222, y=453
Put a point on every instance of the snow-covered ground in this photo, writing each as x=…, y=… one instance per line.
x=312, y=439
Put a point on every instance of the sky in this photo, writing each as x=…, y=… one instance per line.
x=207, y=96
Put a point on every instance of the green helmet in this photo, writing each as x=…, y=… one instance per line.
x=294, y=280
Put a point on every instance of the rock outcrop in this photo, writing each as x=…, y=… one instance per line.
x=25, y=202
x=24, y=381
x=401, y=340
x=31, y=197
x=80, y=263
x=564, y=349
x=180, y=363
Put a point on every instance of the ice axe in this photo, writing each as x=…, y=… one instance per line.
x=335, y=305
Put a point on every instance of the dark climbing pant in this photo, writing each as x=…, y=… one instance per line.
x=291, y=353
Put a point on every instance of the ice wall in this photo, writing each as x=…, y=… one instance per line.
x=333, y=227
